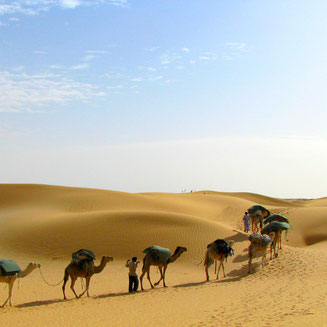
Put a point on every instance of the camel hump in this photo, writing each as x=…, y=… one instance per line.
x=255, y=209
x=218, y=242
x=275, y=226
x=276, y=217
x=259, y=239
x=8, y=267
x=83, y=254
x=163, y=253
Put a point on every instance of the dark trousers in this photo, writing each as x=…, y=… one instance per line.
x=133, y=283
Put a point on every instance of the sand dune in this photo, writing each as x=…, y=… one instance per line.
x=47, y=223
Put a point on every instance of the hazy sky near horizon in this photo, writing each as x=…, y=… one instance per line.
x=141, y=95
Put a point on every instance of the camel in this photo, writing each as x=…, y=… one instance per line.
x=257, y=213
x=274, y=243
x=277, y=227
x=217, y=251
x=10, y=279
x=160, y=257
x=259, y=244
x=84, y=269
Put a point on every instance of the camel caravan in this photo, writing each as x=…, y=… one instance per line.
x=82, y=264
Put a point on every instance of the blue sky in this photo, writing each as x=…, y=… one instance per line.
x=141, y=95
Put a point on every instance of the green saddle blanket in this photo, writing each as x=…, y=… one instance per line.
x=163, y=253
x=8, y=267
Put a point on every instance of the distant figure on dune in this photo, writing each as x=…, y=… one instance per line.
x=160, y=257
x=133, y=278
x=246, y=222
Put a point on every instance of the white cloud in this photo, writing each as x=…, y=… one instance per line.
x=33, y=7
x=234, y=49
x=151, y=49
x=186, y=49
x=80, y=66
x=31, y=92
x=70, y=3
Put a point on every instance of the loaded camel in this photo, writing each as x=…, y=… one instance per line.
x=218, y=250
x=10, y=278
x=160, y=257
x=257, y=213
x=278, y=227
x=259, y=244
x=83, y=268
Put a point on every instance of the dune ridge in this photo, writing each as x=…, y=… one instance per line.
x=47, y=223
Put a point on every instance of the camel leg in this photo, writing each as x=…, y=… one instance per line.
x=86, y=287
x=251, y=255
x=206, y=270
x=73, y=278
x=164, y=274
x=250, y=265
x=221, y=265
x=10, y=287
x=148, y=276
x=64, y=284
x=161, y=277
x=264, y=259
x=141, y=279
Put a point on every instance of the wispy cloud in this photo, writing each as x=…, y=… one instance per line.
x=82, y=66
x=33, y=7
x=70, y=3
x=30, y=92
x=234, y=49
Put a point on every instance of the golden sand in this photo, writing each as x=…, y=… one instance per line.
x=46, y=224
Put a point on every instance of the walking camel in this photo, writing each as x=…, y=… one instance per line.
x=257, y=213
x=160, y=257
x=84, y=268
x=10, y=278
x=218, y=250
x=278, y=227
x=259, y=244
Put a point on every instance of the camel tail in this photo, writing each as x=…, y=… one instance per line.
x=207, y=260
x=66, y=276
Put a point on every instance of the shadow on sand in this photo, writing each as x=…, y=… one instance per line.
x=40, y=303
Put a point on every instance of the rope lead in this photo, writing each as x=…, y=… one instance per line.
x=48, y=282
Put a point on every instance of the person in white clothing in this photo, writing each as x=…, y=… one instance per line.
x=133, y=278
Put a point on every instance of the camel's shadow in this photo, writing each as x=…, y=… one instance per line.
x=41, y=303
x=108, y=295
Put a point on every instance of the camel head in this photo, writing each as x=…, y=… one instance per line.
x=34, y=265
x=231, y=243
x=179, y=250
x=107, y=259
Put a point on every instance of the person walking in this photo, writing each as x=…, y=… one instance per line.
x=246, y=221
x=133, y=278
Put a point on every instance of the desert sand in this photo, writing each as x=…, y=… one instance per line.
x=45, y=224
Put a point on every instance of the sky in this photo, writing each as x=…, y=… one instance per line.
x=165, y=95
